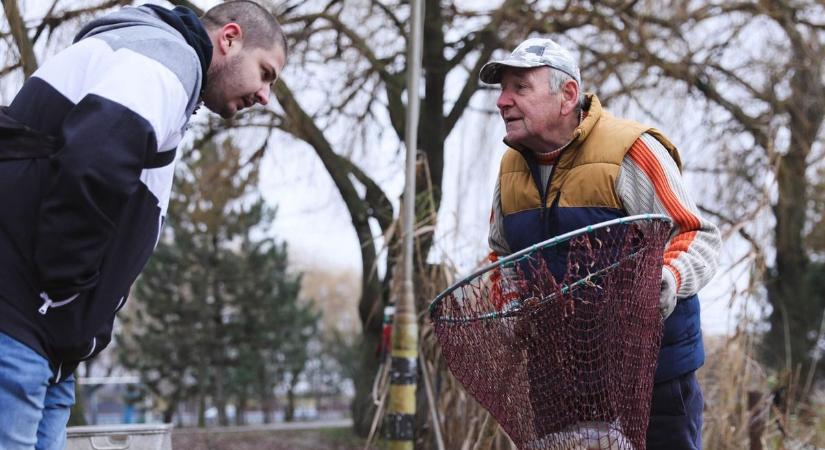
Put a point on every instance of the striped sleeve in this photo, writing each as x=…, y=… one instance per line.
x=504, y=293
x=498, y=244
x=650, y=182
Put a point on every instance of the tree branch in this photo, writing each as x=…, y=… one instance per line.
x=298, y=123
x=21, y=38
x=52, y=22
x=394, y=82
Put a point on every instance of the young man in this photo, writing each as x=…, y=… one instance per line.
x=593, y=167
x=82, y=215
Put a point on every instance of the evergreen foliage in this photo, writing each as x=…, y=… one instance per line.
x=216, y=316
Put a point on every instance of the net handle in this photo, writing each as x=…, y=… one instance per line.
x=547, y=243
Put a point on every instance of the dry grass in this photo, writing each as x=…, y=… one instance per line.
x=745, y=403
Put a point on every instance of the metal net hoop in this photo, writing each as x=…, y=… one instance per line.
x=559, y=341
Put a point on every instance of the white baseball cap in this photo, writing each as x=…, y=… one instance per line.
x=533, y=52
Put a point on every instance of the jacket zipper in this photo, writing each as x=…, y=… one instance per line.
x=49, y=303
x=549, y=182
x=546, y=192
x=561, y=151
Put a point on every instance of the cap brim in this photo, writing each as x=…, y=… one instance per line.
x=491, y=72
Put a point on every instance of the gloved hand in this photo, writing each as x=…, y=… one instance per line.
x=667, y=294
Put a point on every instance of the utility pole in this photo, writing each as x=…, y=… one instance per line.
x=400, y=420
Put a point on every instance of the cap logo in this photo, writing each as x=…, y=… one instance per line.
x=537, y=50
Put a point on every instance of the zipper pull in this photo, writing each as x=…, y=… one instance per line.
x=47, y=302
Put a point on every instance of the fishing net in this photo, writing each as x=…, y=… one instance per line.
x=559, y=341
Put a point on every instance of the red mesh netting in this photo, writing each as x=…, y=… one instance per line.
x=560, y=343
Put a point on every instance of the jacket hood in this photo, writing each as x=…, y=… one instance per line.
x=181, y=19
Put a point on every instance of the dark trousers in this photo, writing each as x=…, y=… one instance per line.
x=676, y=415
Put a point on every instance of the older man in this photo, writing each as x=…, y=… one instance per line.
x=86, y=165
x=571, y=164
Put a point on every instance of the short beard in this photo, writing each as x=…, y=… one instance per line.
x=217, y=77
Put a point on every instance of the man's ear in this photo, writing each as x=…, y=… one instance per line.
x=570, y=96
x=230, y=38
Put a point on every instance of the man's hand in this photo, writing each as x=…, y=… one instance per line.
x=667, y=294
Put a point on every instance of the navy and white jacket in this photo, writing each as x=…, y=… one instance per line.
x=78, y=227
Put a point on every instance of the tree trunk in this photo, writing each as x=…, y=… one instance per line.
x=172, y=407
x=795, y=313
x=289, y=413
x=363, y=407
x=201, y=409
x=220, y=398
x=219, y=363
x=787, y=290
x=265, y=393
x=169, y=412
x=431, y=128
x=240, y=407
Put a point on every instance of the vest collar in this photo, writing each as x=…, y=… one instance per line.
x=592, y=113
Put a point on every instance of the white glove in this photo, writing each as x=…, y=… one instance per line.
x=667, y=295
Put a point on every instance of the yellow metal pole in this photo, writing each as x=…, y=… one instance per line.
x=400, y=420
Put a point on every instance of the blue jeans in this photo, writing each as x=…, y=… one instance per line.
x=33, y=412
x=676, y=414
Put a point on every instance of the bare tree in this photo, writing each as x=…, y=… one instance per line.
x=751, y=71
x=754, y=72
x=363, y=43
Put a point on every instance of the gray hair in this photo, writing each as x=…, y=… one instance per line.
x=261, y=29
x=557, y=80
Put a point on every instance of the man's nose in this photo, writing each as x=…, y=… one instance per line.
x=262, y=96
x=504, y=100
